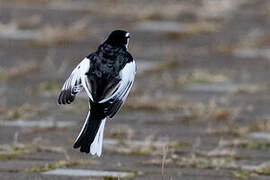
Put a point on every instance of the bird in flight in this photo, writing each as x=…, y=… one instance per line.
x=106, y=76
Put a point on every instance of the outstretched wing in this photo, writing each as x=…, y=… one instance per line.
x=117, y=97
x=75, y=83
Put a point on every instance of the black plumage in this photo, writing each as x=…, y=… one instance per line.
x=107, y=76
x=105, y=65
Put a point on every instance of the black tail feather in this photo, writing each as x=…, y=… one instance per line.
x=88, y=134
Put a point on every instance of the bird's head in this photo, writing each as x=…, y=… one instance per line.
x=118, y=38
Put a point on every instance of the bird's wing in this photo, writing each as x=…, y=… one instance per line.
x=75, y=83
x=115, y=99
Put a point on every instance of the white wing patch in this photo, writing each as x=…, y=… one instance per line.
x=116, y=98
x=75, y=83
x=127, y=75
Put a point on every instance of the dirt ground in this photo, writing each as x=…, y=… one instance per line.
x=199, y=106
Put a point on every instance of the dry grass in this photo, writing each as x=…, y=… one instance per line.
x=222, y=157
x=18, y=71
x=214, y=9
x=147, y=10
x=215, y=159
x=165, y=11
x=164, y=156
x=157, y=162
x=241, y=174
x=191, y=110
x=195, y=29
x=146, y=102
x=254, y=40
x=219, y=152
x=28, y=22
x=30, y=1
x=200, y=77
x=261, y=125
x=8, y=152
x=232, y=143
x=24, y=111
x=229, y=127
x=250, y=88
x=206, y=163
x=53, y=149
x=218, y=158
x=58, y=164
x=262, y=169
x=245, y=144
x=146, y=147
x=257, y=145
x=120, y=132
x=48, y=87
x=60, y=34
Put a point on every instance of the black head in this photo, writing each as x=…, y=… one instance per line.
x=118, y=38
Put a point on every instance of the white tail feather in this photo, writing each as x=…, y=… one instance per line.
x=96, y=146
x=85, y=122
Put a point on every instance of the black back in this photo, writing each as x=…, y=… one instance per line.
x=105, y=65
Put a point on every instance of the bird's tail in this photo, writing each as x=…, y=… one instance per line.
x=91, y=135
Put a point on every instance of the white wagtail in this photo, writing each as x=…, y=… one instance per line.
x=106, y=76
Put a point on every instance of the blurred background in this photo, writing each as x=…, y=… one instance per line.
x=199, y=107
